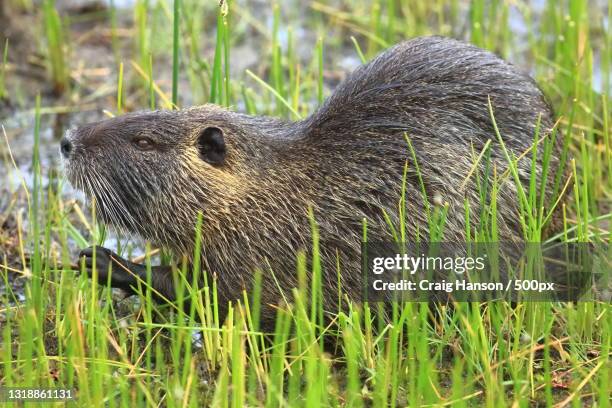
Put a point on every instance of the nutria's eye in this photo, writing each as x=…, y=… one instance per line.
x=211, y=145
x=143, y=143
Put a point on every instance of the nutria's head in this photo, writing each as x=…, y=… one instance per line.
x=151, y=173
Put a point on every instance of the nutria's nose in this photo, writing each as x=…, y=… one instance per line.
x=65, y=147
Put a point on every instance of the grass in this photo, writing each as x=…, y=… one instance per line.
x=175, y=51
x=3, y=91
x=56, y=47
x=71, y=333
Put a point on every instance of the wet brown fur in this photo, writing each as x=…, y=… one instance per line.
x=345, y=161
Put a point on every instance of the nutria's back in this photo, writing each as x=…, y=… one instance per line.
x=254, y=178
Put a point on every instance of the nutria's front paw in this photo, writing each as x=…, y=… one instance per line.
x=100, y=255
x=106, y=261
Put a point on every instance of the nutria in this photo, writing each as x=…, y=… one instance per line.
x=254, y=179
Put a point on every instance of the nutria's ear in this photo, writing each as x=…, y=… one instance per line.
x=211, y=145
